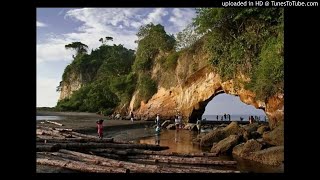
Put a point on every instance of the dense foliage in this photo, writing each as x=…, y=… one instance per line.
x=107, y=78
x=246, y=40
x=152, y=40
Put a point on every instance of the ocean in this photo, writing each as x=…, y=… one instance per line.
x=234, y=117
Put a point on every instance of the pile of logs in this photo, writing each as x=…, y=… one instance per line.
x=85, y=153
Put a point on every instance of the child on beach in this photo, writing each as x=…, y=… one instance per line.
x=100, y=128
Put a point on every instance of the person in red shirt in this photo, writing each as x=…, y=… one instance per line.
x=100, y=128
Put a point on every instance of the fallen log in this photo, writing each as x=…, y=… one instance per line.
x=82, y=146
x=48, y=147
x=52, y=122
x=73, y=140
x=183, y=160
x=81, y=166
x=84, y=135
x=142, y=168
x=148, y=152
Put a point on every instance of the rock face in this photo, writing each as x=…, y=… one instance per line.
x=73, y=83
x=191, y=95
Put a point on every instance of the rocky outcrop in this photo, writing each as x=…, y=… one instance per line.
x=244, y=149
x=225, y=145
x=73, y=83
x=191, y=95
x=252, y=150
x=272, y=156
x=276, y=136
x=221, y=133
x=262, y=129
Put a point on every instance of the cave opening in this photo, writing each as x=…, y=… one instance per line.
x=220, y=104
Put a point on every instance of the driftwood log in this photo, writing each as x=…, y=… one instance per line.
x=82, y=146
x=71, y=156
x=86, y=153
x=148, y=152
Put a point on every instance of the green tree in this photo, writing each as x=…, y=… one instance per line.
x=187, y=37
x=79, y=47
x=243, y=40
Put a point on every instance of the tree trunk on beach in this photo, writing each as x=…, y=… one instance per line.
x=183, y=160
x=75, y=146
x=80, y=166
x=148, y=152
x=75, y=140
x=66, y=155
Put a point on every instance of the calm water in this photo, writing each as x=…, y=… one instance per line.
x=50, y=118
x=181, y=141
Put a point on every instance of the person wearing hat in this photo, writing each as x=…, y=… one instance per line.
x=100, y=128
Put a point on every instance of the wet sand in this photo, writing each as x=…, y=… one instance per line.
x=86, y=123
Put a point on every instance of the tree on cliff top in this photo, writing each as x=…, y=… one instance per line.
x=78, y=46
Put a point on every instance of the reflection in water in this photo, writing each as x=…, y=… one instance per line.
x=157, y=138
x=176, y=140
x=181, y=141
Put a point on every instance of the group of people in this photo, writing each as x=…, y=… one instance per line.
x=224, y=117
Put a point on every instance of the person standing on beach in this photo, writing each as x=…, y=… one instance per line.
x=131, y=115
x=157, y=120
x=217, y=117
x=100, y=128
x=198, y=125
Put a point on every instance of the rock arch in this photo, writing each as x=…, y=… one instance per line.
x=192, y=96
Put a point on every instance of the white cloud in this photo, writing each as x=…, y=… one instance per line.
x=156, y=16
x=53, y=51
x=40, y=24
x=180, y=18
x=46, y=92
x=120, y=23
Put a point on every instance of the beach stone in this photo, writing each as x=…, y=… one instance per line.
x=263, y=129
x=217, y=135
x=251, y=127
x=276, y=136
x=171, y=127
x=255, y=135
x=213, y=136
x=272, y=156
x=225, y=145
x=244, y=149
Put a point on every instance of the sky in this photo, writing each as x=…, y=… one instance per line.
x=57, y=27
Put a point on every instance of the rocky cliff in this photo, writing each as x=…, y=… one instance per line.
x=186, y=88
x=193, y=84
x=73, y=83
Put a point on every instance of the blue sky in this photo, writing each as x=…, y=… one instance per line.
x=57, y=27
